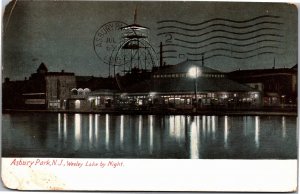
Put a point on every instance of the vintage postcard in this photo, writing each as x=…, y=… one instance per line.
x=149, y=96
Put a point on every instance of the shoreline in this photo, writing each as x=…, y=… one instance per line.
x=257, y=112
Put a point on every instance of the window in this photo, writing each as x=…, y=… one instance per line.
x=74, y=91
x=80, y=91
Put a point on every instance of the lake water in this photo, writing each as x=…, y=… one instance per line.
x=148, y=136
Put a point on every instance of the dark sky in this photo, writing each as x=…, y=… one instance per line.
x=61, y=34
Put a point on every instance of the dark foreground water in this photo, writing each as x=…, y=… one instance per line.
x=148, y=136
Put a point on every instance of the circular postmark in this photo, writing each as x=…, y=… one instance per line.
x=106, y=39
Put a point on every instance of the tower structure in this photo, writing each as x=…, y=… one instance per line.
x=134, y=53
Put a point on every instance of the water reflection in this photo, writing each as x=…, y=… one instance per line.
x=203, y=125
x=148, y=136
x=194, y=140
x=91, y=131
x=107, y=131
x=283, y=126
x=65, y=127
x=226, y=132
x=245, y=125
x=200, y=129
x=151, y=133
x=122, y=131
x=140, y=131
x=176, y=127
x=213, y=126
x=96, y=129
x=257, y=128
x=208, y=126
x=77, y=124
x=59, y=126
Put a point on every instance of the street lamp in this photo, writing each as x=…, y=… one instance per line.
x=194, y=72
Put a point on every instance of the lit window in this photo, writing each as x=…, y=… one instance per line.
x=188, y=101
x=140, y=102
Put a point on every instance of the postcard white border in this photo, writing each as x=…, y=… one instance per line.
x=153, y=175
x=156, y=175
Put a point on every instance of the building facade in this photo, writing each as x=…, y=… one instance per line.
x=58, y=87
x=278, y=86
x=185, y=86
x=43, y=90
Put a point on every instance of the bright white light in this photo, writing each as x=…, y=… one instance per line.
x=140, y=102
x=77, y=104
x=255, y=95
x=152, y=94
x=194, y=72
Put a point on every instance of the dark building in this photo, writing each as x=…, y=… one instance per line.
x=12, y=97
x=43, y=90
x=187, y=85
x=278, y=86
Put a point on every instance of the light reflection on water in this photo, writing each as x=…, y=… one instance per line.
x=257, y=127
x=65, y=127
x=283, y=127
x=140, y=131
x=194, y=140
x=107, y=131
x=226, y=132
x=77, y=123
x=149, y=136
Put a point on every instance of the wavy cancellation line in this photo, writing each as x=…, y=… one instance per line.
x=224, y=49
x=235, y=57
x=224, y=55
x=214, y=31
x=219, y=24
x=169, y=51
x=228, y=38
x=234, y=51
x=220, y=19
x=225, y=43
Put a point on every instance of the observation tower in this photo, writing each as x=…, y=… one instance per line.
x=134, y=54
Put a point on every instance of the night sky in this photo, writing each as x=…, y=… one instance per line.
x=230, y=36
